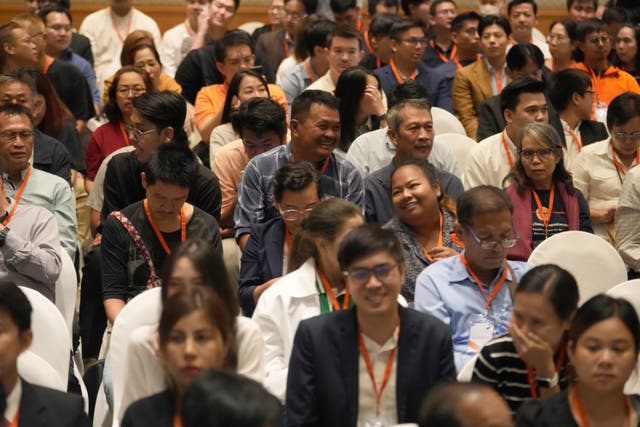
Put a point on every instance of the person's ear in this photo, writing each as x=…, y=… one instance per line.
x=294, y=126
x=220, y=66
x=394, y=45
x=508, y=116
x=459, y=229
x=168, y=134
x=437, y=190
x=26, y=338
x=392, y=136
x=575, y=98
x=143, y=178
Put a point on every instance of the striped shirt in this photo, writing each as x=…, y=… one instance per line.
x=499, y=366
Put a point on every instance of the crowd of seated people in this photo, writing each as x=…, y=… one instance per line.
x=340, y=209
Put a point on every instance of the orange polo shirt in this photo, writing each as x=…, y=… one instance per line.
x=611, y=83
x=210, y=100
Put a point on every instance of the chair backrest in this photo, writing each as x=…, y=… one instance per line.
x=251, y=26
x=594, y=263
x=51, y=339
x=629, y=290
x=445, y=122
x=67, y=290
x=461, y=145
x=465, y=374
x=38, y=371
x=142, y=310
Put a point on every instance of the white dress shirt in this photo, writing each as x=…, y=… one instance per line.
x=13, y=401
x=172, y=41
x=488, y=162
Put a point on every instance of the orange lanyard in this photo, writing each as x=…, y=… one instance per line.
x=426, y=254
x=18, y=195
x=619, y=165
x=584, y=422
x=309, y=72
x=532, y=377
x=188, y=28
x=177, y=420
x=324, y=165
x=459, y=65
x=399, y=78
x=287, y=237
x=125, y=135
x=47, y=63
x=359, y=25
x=332, y=296
x=183, y=227
x=499, y=81
x=576, y=139
x=506, y=148
x=546, y=218
x=286, y=49
x=443, y=58
x=387, y=370
x=366, y=40
x=117, y=30
x=14, y=422
x=496, y=288
x=595, y=84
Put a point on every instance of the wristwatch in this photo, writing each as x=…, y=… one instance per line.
x=548, y=382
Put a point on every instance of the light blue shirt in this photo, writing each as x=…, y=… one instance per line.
x=297, y=80
x=447, y=291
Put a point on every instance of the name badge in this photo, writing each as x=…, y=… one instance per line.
x=375, y=421
x=601, y=112
x=480, y=332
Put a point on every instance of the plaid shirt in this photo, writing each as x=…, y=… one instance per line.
x=255, y=193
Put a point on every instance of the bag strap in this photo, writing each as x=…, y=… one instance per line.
x=154, y=279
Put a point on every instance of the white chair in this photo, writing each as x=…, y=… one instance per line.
x=67, y=290
x=461, y=145
x=51, y=339
x=594, y=263
x=37, y=370
x=629, y=290
x=445, y=122
x=465, y=374
x=250, y=26
x=142, y=310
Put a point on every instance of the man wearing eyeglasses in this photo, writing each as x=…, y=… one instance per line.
x=440, y=48
x=472, y=292
x=408, y=42
x=595, y=42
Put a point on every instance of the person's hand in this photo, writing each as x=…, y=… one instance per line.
x=372, y=99
x=440, y=252
x=533, y=350
x=603, y=216
x=203, y=22
x=96, y=240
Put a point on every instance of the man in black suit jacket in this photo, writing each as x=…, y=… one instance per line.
x=332, y=377
x=31, y=405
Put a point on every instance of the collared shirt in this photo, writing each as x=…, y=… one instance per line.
x=492, y=77
x=13, y=401
x=595, y=174
x=87, y=69
x=379, y=355
x=432, y=52
x=340, y=179
x=297, y=80
x=628, y=220
x=172, y=46
x=30, y=254
x=55, y=195
x=488, y=163
x=228, y=165
x=571, y=150
x=374, y=150
x=447, y=291
x=323, y=83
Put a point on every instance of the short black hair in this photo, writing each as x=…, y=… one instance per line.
x=230, y=39
x=317, y=34
x=520, y=54
x=571, y=2
x=406, y=3
x=166, y=108
x=15, y=303
x=615, y=14
x=435, y=3
x=366, y=240
x=221, y=398
x=569, y=26
x=302, y=103
x=510, y=96
x=344, y=31
x=24, y=75
x=557, y=284
x=260, y=115
x=295, y=177
x=440, y=406
x=172, y=164
x=623, y=108
x=489, y=20
x=403, y=26
x=381, y=24
x=54, y=8
x=514, y=3
x=408, y=90
x=588, y=26
x=12, y=110
x=340, y=6
x=310, y=6
x=460, y=19
x=480, y=200
x=564, y=84
x=372, y=4
x=234, y=87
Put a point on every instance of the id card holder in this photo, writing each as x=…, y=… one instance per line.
x=480, y=332
x=601, y=112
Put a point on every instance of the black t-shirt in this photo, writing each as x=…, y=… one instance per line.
x=558, y=222
x=198, y=69
x=50, y=155
x=72, y=88
x=124, y=270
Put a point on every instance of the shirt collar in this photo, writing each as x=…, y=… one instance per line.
x=13, y=401
x=390, y=344
x=492, y=71
x=5, y=177
x=460, y=274
x=566, y=128
x=306, y=284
